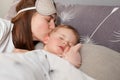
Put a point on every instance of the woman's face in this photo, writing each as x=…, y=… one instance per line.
x=41, y=26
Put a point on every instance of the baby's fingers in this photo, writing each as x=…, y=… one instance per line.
x=76, y=48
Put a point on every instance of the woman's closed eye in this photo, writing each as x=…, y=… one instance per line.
x=48, y=20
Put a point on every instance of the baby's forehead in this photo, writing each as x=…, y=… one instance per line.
x=66, y=34
x=69, y=28
x=61, y=29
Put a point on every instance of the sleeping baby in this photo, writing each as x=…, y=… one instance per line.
x=50, y=63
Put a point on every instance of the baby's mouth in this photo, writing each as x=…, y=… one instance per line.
x=62, y=48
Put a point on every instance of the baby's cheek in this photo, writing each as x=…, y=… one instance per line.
x=58, y=41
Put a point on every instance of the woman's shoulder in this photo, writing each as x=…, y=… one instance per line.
x=5, y=27
x=5, y=23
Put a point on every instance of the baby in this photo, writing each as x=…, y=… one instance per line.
x=50, y=63
x=60, y=42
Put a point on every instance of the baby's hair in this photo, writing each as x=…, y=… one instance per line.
x=71, y=28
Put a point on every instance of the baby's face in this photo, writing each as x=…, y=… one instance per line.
x=60, y=40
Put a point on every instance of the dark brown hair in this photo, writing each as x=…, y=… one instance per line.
x=22, y=35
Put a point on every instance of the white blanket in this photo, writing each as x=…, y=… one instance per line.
x=38, y=65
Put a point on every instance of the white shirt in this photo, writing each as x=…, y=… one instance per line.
x=6, y=43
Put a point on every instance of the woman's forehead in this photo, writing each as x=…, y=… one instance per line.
x=50, y=17
x=47, y=16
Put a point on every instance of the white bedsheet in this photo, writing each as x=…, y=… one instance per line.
x=38, y=65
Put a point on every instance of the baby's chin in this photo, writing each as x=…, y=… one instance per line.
x=58, y=54
x=54, y=51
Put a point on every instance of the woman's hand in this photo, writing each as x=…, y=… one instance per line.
x=73, y=55
x=16, y=50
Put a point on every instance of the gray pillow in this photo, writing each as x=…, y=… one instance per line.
x=100, y=62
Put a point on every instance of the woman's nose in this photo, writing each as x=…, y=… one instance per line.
x=52, y=24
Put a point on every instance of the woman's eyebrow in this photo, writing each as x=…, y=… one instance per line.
x=51, y=16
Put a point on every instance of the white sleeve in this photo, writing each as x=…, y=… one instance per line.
x=5, y=28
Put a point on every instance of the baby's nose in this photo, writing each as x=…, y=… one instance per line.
x=66, y=43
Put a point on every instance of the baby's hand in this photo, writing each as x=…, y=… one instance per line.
x=73, y=55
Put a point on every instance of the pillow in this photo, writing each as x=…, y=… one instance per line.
x=96, y=24
x=100, y=62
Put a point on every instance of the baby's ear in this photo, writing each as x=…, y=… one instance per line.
x=46, y=40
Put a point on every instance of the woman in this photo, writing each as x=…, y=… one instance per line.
x=33, y=22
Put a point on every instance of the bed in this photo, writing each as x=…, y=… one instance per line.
x=99, y=28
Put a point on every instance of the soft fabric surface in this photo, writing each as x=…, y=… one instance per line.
x=38, y=65
x=29, y=66
x=63, y=70
x=100, y=62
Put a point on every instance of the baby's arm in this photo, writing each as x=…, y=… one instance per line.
x=73, y=55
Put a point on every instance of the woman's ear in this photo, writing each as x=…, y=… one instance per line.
x=46, y=40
